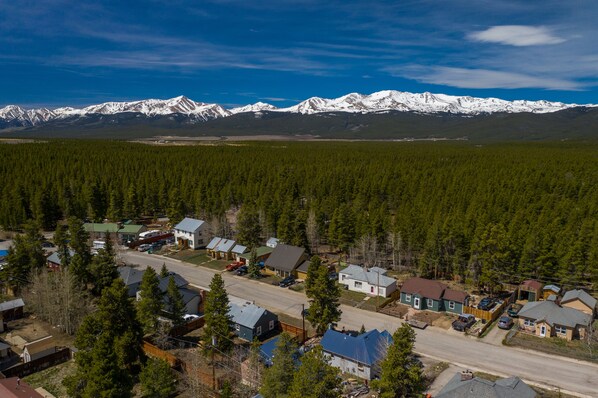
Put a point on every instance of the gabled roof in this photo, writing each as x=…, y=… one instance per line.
x=260, y=251
x=432, y=289
x=239, y=249
x=372, y=276
x=455, y=295
x=225, y=245
x=55, y=258
x=304, y=266
x=272, y=242
x=247, y=315
x=580, y=295
x=40, y=345
x=11, y=305
x=130, y=275
x=511, y=387
x=551, y=313
x=112, y=227
x=532, y=284
x=187, y=295
x=285, y=257
x=367, y=348
x=553, y=288
x=213, y=243
x=189, y=225
x=178, y=280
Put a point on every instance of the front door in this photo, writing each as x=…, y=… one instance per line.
x=416, y=303
x=542, y=331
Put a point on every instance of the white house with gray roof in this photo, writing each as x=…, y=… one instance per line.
x=192, y=233
x=372, y=281
x=548, y=319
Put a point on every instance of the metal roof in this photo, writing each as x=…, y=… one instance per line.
x=260, y=251
x=582, y=295
x=55, y=258
x=511, y=387
x=225, y=245
x=12, y=304
x=246, y=314
x=372, y=276
x=189, y=225
x=213, y=243
x=367, y=348
x=554, y=288
x=239, y=249
x=113, y=227
x=130, y=275
x=179, y=281
x=551, y=313
x=272, y=242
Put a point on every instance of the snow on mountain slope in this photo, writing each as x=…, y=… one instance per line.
x=382, y=101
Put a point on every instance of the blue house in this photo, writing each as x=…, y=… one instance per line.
x=427, y=294
x=251, y=321
x=358, y=355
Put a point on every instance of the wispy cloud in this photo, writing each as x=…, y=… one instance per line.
x=517, y=35
x=480, y=78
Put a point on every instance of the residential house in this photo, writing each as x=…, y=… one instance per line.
x=357, y=355
x=12, y=309
x=530, y=290
x=262, y=252
x=251, y=321
x=39, y=349
x=238, y=250
x=549, y=290
x=284, y=260
x=427, y=294
x=548, y=319
x=192, y=233
x=220, y=248
x=54, y=262
x=132, y=278
x=14, y=387
x=464, y=385
x=272, y=242
x=371, y=281
x=302, y=270
x=119, y=233
x=579, y=300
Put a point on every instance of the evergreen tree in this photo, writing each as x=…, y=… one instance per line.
x=248, y=227
x=81, y=261
x=324, y=304
x=218, y=324
x=253, y=269
x=176, y=208
x=115, y=208
x=174, y=303
x=103, y=268
x=278, y=378
x=61, y=239
x=227, y=390
x=401, y=372
x=164, y=271
x=25, y=256
x=315, y=378
x=151, y=302
x=157, y=379
x=315, y=263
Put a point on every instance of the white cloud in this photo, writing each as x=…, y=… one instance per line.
x=517, y=35
x=480, y=78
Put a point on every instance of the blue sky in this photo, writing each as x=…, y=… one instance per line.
x=233, y=52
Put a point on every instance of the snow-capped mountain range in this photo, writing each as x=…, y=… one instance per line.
x=382, y=101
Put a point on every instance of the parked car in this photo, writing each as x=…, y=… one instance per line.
x=242, y=270
x=144, y=247
x=487, y=303
x=286, y=282
x=333, y=276
x=464, y=322
x=234, y=265
x=190, y=317
x=47, y=245
x=513, y=310
x=505, y=322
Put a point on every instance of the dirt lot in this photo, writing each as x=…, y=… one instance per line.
x=30, y=329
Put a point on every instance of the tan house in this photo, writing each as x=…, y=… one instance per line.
x=548, y=319
x=579, y=300
x=284, y=260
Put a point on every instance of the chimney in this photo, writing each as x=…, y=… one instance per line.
x=466, y=375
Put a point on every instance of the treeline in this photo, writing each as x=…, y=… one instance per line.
x=483, y=213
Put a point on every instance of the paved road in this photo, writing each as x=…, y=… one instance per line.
x=574, y=377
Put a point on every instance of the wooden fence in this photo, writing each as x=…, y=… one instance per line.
x=488, y=316
x=293, y=330
x=187, y=327
x=39, y=364
x=151, y=350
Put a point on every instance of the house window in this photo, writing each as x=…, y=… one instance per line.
x=360, y=367
x=357, y=285
x=408, y=298
x=237, y=327
x=560, y=329
x=430, y=303
x=451, y=305
x=343, y=276
x=271, y=325
x=529, y=322
x=258, y=330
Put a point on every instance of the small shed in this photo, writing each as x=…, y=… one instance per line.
x=549, y=290
x=39, y=349
x=54, y=262
x=530, y=290
x=12, y=309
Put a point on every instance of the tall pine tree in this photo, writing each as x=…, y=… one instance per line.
x=218, y=326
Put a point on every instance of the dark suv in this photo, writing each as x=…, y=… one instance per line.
x=286, y=282
x=487, y=303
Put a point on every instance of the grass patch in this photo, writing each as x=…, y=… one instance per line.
x=573, y=349
x=297, y=287
x=51, y=378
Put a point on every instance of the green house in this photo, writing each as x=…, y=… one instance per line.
x=427, y=294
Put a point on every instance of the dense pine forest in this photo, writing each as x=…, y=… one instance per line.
x=500, y=212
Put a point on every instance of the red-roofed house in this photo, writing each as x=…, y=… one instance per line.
x=17, y=388
x=427, y=294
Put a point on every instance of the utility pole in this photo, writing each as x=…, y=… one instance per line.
x=214, y=342
x=303, y=321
